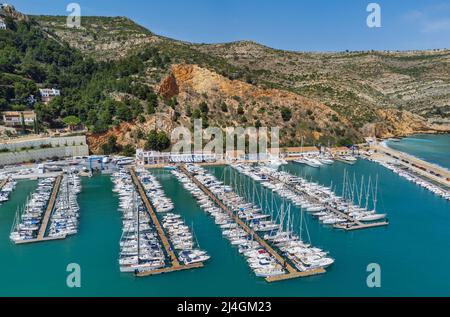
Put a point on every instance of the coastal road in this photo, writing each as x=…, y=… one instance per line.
x=426, y=169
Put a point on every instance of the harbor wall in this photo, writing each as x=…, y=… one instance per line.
x=42, y=149
x=53, y=142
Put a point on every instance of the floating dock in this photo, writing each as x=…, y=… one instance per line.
x=48, y=212
x=292, y=271
x=353, y=225
x=175, y=264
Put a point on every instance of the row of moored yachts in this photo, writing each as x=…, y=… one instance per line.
x=417, y=180
x=64, y=216
x=319, y=200
x=6, y=190
x=140, y=246
x=179, y=233
x=64, y=219
x=27, y=221
x=260, y=260
x=153, y=189
x=317, y=160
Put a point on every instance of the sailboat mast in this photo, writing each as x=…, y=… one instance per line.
x=138, y=226
x=375, y=194
x=368, y=193
x=353, y=187
x=361, y=191
x=343, y=185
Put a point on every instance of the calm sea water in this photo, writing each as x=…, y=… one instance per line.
x=432, y=148
x=412, y=251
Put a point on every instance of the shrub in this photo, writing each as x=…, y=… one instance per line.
x=286, y=114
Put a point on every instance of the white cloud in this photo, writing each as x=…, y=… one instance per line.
x=436, y=26
x=432, y=19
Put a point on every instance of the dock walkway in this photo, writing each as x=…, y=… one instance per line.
x=292, y=272
x=50, y=206
x=175, y=264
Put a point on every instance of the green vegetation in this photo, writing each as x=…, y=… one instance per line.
x=111, y=146
x=128, y=150
x=224, y=107
x=240, y=110
x=157, y=141
x=103, y=86
x=29, y=58
x=286, y=114
x=72, y=121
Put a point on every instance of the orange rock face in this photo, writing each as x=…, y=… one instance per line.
x=169, y=87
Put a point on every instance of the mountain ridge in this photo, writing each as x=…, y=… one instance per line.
x=381, y=93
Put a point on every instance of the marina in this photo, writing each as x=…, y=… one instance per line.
x=227, y=272
x=224, y=158
x=242, y=222
x=51, y=213
x=314, y=160
x=65, y=217
x=320, y=201
x=30, y=223
x=144, y=243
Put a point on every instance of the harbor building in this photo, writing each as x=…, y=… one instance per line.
x=297, y=151
x=341, y=151
x=155, y=157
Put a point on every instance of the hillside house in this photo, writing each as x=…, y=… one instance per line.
x=2, y=24
x=48, y=94
x=14, y=118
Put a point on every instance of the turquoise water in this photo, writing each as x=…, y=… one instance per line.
x=431, y=148
x=412, y=251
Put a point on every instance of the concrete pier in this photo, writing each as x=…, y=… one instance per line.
x=428, y=170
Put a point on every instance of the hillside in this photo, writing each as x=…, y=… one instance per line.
x=122, y=80
x=352, y=83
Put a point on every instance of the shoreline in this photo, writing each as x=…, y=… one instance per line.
x=384, y=144
x=402, y=136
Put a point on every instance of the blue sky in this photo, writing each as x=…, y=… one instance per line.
x=301, y=25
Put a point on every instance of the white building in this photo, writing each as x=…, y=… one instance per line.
x=157, y=158
x=2, y=24
x=48, y=94
x=154, y=157
x=16, y=118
